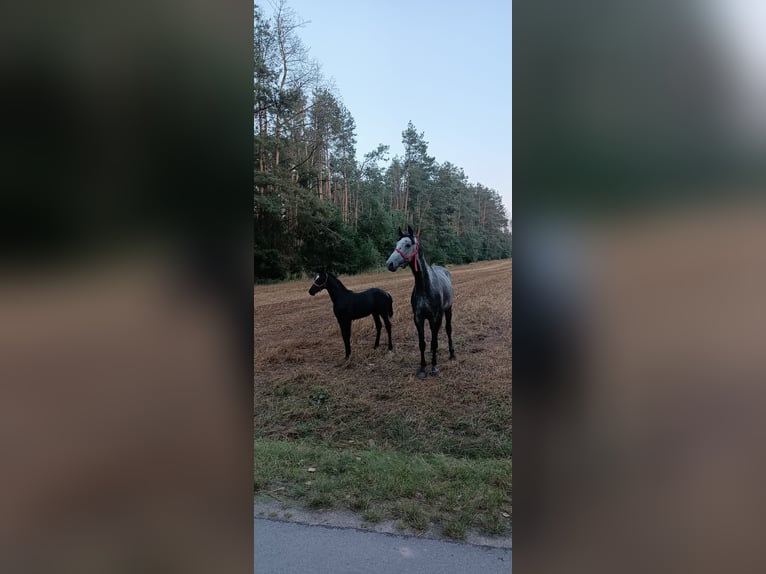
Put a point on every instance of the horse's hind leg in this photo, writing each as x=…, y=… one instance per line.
x=448, y=328
x=377, y=329
x=435, y=325
x=388, y=330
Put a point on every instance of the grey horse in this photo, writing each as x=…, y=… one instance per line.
x=431, y=296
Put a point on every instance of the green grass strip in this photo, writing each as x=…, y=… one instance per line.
x=417, y=489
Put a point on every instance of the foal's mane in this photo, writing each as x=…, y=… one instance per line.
x=338, y=281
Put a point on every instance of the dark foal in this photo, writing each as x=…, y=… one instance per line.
x=349, y=306
x=431, y=296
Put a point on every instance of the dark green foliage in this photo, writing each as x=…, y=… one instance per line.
x=317, y=207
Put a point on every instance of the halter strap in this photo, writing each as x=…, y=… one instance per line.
x=414, y=255
x=326, y=277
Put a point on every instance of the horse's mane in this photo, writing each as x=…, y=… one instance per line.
x=340, y=283
x=326, y=272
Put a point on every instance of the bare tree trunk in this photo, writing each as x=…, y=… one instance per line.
x=261, y=151
x=406, y=191
x=276, y=145
x=266, y=135
x=319, y=181
x=345, y=189
x=356, y=205
x=391, y=197
x=281, y=34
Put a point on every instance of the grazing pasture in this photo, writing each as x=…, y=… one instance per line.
x=455, y=427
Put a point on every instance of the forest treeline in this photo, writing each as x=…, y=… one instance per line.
x=317, y=206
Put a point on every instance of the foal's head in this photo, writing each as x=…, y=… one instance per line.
x=320, y=282
x=406, y=251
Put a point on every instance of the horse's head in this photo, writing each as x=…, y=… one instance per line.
x=320, y=281
x=406, y=250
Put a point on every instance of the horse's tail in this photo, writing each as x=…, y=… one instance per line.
x=390, y=305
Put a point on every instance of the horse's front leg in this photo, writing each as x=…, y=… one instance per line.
x=420, y=325
x=345, y=330
x=435, y=324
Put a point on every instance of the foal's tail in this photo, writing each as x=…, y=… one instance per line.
x=390, y=305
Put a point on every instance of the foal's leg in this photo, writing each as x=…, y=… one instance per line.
x=419, y=324
x=435, y=324
x=388, y=330
x=345, y=330
x=448, y=328
x=376, y=317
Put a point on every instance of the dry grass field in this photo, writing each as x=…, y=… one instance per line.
x=306, y=398
x=465, y=410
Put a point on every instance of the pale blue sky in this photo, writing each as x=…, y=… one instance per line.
x=444, y=65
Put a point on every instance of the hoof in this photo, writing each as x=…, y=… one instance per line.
x=452, y=356
x=434, y=371
x=421, y=374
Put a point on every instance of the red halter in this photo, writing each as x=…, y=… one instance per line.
x=326, y=277
x=414, y=255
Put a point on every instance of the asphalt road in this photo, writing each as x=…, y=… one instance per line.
x=292, y=548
